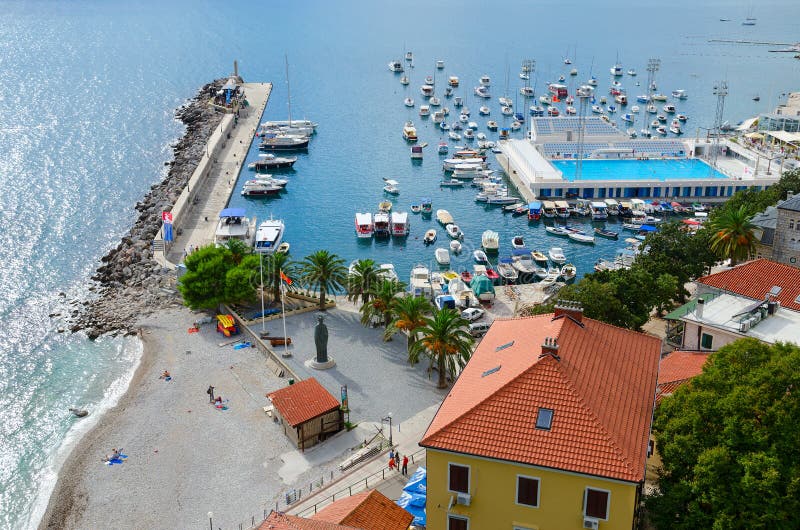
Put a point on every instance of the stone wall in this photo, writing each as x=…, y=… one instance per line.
x=786, y=245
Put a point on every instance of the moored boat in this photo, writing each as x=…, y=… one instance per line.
x=430, y=236
x=269, y=236
x=364, y=226
x=557, y=256
x=442, y=256
x=382, y=224
x=234, y=224
x=608, y=234
x=400, y=224
x=444, y=217
x=490, y=241
x=580, y=237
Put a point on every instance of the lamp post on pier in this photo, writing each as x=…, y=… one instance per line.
x=389, y=419
x=210, y=522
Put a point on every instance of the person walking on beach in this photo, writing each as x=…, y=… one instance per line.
x=210, y=393
x=405, y=465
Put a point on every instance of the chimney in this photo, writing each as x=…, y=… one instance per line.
x=569, y=308
x=550, y=347
x=698, y=312
x=789, y=195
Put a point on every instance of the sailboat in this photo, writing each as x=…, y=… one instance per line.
x=292, y=136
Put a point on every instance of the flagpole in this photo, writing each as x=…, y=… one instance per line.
x=261, y=273
x=283, y=314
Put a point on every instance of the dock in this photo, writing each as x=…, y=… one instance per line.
x=212, y=183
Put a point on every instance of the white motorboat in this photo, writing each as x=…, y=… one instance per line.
x=557, y=256
x=269, y=236
x=599, y=210
x=426, y=90
x=505, y=102
x=517, y=242
x=669, y=108
x=490, y=241
x=643, y=98
x=652, y=109
x=455, y=246
x=527, y=91
x=424, y=110
x=409, y=56
x=440, y=65
x=434, y=101
x=631, y=72
x=268, y=161
x=682, y=117
x=408, y=102
x=479, y=256
x=536, y=111
x=675, y=127
x=405, y=80
x=410, y=132
x=485, y=80
x=553, y=111
x=573, y=72
x=267, y=180
x=258, y=189
x=580, y=237
x=659, y=97
x=430, y=80
x=679, y=94
x=454, y=231
x=416, y=152
x=442, y=256
x=395, y=66
x=454, y=136
x=635, y=109
x=571, y=111
x=430, y=236
x=661, y=130
x=545, y=100
x=469, y=134
x=284, y=142
x=508, y=111
x=484, y=111
x=364, y=226
x=507, y=271
x=616, y=70
x=524, y=263
x=391, y=187
x=458, y=102
x=482, y=92
x=463, y=117
x=400, y=225
x=491, y=125
x=592, y=81
x=628, y=118
x=438, y=116
x=234, y=224
x=444, y=126
x=443, y=147
x=597, y=109
x=453, y=81
x=622, y=99
x=386, y=271
x=420, y=281
x=568, y=272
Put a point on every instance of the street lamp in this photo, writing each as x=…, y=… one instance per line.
x=389, y=419
x=210, y=523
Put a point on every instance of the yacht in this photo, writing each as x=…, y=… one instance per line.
x=482, y=92
x=420, y=281
x=269, y=236
x=632, y=72
x=491, y=125
x=505, y=102
x=408, y=102
x=635, y=109
x=440, y=65
x=284, y=143
x=484, y=111
x=426, y=90
x=267, y=161
x=405, y=80
x=434, y=101
x=485, y=80
x=669, y=108
x=679, y=94
x=675, y=127
x=234, y=224
x=527, y=91
x=616, y=70
x=395, y=66
x=536, y=111
x=622, y=99
x=260, y=189
x=364, y=226
x=452, y=81
x=409, y=56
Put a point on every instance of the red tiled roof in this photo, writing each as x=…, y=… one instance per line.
x=678, y=368
x=282, y=521
x=601, y=391
x=370, y=510
x=755, y=278
x=303, y=401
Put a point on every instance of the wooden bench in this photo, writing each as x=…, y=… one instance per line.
x=280, y=341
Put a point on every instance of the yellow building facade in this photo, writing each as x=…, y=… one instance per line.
x=493, y=496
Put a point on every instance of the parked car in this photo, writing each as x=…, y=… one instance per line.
x=479, y=329
x=472, y=314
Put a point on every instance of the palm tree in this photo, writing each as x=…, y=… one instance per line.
x=324, y=271
x=409, y=315
x=360, y=279
x=273, y=265
x=445, y=339
x=733, y=234
x=382, y=294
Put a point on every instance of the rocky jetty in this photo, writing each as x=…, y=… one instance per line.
x=130, y=283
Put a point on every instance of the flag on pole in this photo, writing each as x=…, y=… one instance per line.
x=286, y=278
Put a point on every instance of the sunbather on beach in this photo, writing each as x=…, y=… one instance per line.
x=165, y=375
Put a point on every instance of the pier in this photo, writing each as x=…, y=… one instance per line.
x=194, y=214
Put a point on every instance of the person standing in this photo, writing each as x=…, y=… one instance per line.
x=391, y=463
x=405, y=465
x=397, y=460
x=210, y=393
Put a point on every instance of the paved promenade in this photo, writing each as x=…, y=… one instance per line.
x=200, y=222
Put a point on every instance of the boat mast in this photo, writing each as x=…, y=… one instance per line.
x=288, y=90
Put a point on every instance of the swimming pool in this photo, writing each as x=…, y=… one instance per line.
x=661, y=170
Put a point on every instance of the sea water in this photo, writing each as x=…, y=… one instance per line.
x=87, y=98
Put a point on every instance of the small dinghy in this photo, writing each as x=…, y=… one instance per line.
x=455, y=246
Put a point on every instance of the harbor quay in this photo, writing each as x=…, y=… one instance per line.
x=608, y=164
x=195, y=212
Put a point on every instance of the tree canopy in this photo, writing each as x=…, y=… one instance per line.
x=730, y=443
x=216, y=275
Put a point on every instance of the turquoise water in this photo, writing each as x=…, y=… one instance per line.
x=87, y=95
x=639, y=169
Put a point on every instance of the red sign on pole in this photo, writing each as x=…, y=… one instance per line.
x=166, y=217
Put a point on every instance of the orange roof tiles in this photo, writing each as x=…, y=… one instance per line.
x=282, y=521
x=303, y=401
x=370, y=510
x=678, y=368
x=755, y=278
x=601, y=390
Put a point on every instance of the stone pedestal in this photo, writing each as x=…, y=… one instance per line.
x=313, y=363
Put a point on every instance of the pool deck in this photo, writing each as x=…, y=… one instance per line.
x=532, y=173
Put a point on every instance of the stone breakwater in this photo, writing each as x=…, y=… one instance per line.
x=130, y=283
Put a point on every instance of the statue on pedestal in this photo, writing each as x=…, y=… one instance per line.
x=321, y=340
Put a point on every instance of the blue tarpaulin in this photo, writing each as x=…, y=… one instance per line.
x=520, y=251
x=232, y=212
x=647, y=228
x=413, y=498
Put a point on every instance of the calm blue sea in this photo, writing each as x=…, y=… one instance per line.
x=87, y=94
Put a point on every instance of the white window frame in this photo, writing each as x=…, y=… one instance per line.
x=538, y=491
x=586, y=498
x=469, y=477
x=454, y=516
